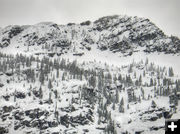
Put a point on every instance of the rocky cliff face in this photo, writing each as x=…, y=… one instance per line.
x=122, y=34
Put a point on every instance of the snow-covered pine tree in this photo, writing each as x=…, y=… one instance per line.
x=142, y=93
x=171, y=72
x=41, y=77
x=130, y=69
x=113, y=106
x=117, y=96
x=140, y=80
x=151, y=82
x=121, y=106
x=50, y=86
x=40, y=93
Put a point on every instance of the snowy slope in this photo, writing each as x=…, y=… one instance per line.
x=118, y=34
x=118, y=74
x=70, y=101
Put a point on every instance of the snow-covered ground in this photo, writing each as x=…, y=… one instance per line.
x=70, y=85
x=138, y=115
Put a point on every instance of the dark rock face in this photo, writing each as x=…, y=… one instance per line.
x=105, y=22
x=67, y=120
x=78, y=54
x=139, y=31
x=9, y=73
x=86, y=23
x=34, y=120
x=7, y=109
x=15, y=31
x=120, y=46
x=64, y=120
x=20, y=95
x=41, y=124
x=139, y=132
x=154, y=114
x=3, y=130
x=36, y=113
x=6, y=97
x=167, y=114
x=68, y=109
x=18, y=115
x=153, y=118
x=79, y=120
x=51, y=54
x=155, y=128
x=5, y=116
x=10, y=32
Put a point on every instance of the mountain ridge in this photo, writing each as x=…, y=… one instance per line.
x=116, y=33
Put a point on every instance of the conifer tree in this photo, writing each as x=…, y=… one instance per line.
x=92, y=81
x=142, y=92
x=127, y=106
x=41, y=77
x=63, y=76
x=57, y=73
x=144, y=73
x=120, y=77
x=151, y=82
x=113, y=106
x=139, y=99
x=147, y=61
x=171, y=72
x=130, y=69
x=50, y=84
x=177, y=86
x=117, y=97
x=50, y=100
x=11, y=65
x=140, y=80
x=137, y=83
x=40, y=93
x=134, y=74
x=121, y=106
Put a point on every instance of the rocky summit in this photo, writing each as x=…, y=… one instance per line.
x=122, y=34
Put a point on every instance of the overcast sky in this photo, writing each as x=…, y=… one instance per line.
x=164, y=13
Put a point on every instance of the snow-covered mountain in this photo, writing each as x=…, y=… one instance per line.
x=122, y=34
x=116, y=75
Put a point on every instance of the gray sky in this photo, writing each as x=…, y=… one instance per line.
x=164, y=13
